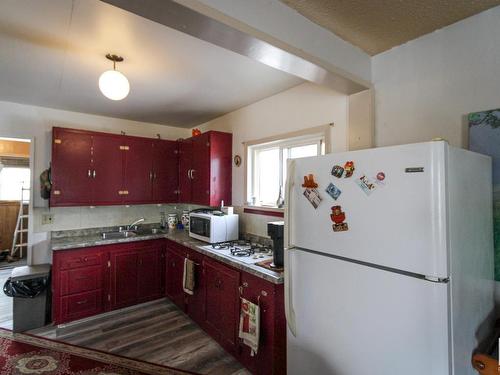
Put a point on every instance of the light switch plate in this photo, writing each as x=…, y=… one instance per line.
x=47, y=219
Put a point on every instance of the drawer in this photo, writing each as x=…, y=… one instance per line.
x=79, y=258
x=80, y=280
x=81, y=305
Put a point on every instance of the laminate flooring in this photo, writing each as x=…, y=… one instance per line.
x=156, y=332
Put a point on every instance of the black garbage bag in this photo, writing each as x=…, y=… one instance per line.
x=25, y=288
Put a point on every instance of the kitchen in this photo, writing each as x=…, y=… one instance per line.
x=137, y=183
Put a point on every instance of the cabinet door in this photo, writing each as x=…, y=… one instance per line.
x=149, y=274
x=222, y=303
x=165, y=171
x=195, y=306
x=200, y=183
x=185, y=164
x=107, y=169
x=124, y=278
x=229, y=301
x=213, y=308
x=138, y=170
x=174, y=273
x=70, y=169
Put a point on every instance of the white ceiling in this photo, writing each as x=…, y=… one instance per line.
x=52, y=53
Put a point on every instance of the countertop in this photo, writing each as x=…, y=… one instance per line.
x=92, y=237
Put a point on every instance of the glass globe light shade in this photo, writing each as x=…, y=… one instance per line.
x=114, y=85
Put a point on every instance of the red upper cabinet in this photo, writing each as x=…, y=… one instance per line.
x=205, y=169
x=71, y=169
x=107, y=169
x=138, y=177
x=87, y=168
x=165, y=171
x=91, y=168
x=185, y=164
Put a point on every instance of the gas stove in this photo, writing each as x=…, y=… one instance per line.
x=245, y=251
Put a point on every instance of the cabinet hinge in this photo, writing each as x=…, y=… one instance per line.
x=109, y=264
x=124, y=148
x=57, y=141
x=56, y=192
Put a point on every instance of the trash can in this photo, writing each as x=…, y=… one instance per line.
x=30, y=288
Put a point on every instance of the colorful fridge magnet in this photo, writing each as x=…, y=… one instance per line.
x=313, y=197
x=333, y=191
x=366, y=184
x=309, y=182
x=338, y=218
x=380, y=176
x=337, y=171
x=349, y=169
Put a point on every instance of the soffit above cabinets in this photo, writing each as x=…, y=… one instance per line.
x=52, y=53
x=376, y=26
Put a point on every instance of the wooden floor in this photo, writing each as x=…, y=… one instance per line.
x=156, y=332
x=5, y=302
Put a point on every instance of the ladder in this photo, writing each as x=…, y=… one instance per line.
x=20, y=240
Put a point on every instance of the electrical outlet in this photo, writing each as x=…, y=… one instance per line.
x=47, y=219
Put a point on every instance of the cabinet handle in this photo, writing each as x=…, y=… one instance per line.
x=89, y=173
x=192, y=173
x=93, y=173
x=154, y=175
x=151, y=176
x=189, y=174
x=245, y=285
x=81, y=302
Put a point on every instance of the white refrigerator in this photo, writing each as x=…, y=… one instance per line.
x=403, y=283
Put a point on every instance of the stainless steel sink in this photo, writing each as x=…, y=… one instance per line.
x=118, y=234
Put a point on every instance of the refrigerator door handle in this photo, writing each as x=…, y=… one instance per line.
x=289, y=312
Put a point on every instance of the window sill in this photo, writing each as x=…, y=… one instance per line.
x=264, y=210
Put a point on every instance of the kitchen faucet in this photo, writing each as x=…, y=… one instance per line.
x=135, y=223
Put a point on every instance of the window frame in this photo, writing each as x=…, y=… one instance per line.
x=318, y=135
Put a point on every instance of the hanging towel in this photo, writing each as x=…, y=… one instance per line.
x=188, y=277
x=250, y=325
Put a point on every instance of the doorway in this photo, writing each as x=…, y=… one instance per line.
x=15, y=195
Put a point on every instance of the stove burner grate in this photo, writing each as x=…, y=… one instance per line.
x=222, y=245
x=239, y=252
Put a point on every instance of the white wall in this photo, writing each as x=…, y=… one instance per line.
x=304, y=106
x=424, y=88
x=31, y=122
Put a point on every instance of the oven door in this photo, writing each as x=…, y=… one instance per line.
x=199, y=227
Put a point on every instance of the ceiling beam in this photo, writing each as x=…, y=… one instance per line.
x=186, y=20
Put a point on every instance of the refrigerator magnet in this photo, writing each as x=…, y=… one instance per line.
x=309, y=182
x=333, y=191
x=338, y=218
x=313, y=197
x=380, y=176
x=366, y=184
x=337, y=171
x=349, y=169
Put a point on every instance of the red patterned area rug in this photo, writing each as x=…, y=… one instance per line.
x=25, y=355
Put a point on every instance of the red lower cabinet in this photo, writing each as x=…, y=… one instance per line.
x=271, y=355
x=90, y=281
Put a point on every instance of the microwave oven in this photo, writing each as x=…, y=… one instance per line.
x=212, y=228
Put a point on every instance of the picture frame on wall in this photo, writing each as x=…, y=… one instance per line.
x=484, y=138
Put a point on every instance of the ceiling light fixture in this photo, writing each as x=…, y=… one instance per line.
x=112, y=83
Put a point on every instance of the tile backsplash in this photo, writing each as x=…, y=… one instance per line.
x=68, y=218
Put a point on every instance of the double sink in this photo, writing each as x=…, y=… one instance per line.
x=127, y=233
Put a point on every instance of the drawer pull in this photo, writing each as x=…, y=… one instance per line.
x=81, y=302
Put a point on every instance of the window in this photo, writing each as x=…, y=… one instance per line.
x=11, y=182
x=266, y=167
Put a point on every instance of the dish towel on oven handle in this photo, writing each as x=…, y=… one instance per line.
x=250, y=325
x=188, y=277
